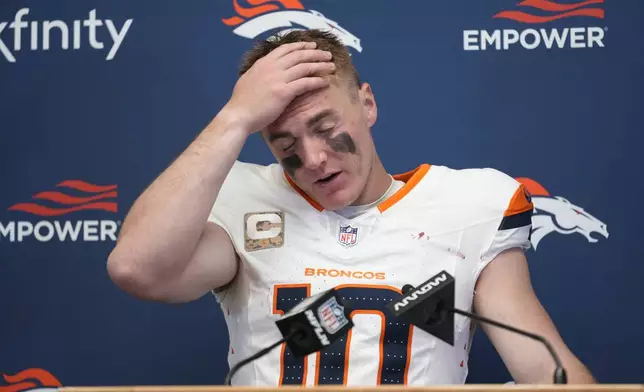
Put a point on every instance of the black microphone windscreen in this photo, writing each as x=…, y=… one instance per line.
x=423, y=306
x=317, y=321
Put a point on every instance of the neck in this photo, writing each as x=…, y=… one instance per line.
x=377, y=184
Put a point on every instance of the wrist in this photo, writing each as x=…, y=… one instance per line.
x=233, y=121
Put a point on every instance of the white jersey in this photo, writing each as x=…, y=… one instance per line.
x=291, y=248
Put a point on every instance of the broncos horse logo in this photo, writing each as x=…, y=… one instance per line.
x=267, y=15
x=557, y=214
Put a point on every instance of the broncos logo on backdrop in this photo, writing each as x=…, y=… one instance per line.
x=280, y=17
x=557, y=214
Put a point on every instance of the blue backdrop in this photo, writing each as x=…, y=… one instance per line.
x=97, y=97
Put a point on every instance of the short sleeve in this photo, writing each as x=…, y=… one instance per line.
x=235, y=194
x=225, y=213
x=220, y=215
x=514, y=228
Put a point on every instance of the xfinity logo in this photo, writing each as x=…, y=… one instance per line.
x=432, y=283
x=39, y=34
x=317, y=328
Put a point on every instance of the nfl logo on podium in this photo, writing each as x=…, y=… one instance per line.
x=348, y=235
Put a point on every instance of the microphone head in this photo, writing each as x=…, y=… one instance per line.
x=427, y=305
x=318, y=321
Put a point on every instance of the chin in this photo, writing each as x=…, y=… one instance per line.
x=340, y=191
x=337, y=200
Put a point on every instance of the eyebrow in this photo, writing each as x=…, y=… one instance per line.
x=319, y=117
x=279, y=135
x=310, y=124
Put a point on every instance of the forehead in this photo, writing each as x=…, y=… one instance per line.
x=305, y=107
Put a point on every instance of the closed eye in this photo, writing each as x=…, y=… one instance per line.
x=282, y=141
x=323, y=131
x=288, y=147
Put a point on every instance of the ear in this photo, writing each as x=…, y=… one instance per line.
x=368, y=103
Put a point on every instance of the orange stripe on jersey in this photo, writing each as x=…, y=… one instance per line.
x=519, y=202
x=372, y=286
x=411, y=333
x=306, y=197
x=383, y=324
x=411, y=179
x=519, y=211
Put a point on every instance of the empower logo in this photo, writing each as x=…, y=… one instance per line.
x=38, y=34
x=555, y=214
x=541, y=12
x=78, y=196
x=282, y=16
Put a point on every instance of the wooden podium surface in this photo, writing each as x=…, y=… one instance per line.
x=446, y=388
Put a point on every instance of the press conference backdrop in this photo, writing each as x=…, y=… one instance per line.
x=97, y=97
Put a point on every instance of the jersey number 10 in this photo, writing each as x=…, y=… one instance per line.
x=332, y=363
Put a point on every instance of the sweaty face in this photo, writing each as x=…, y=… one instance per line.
x=324, y=143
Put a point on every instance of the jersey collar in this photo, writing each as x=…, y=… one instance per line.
x=410, y=178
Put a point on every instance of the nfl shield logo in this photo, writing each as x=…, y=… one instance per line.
x=331, y=316
x=348, y=235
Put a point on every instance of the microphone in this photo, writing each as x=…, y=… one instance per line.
x=308, y=327
x=430, y=307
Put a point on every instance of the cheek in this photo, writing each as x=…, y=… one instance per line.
x=342, y=143
x=291, y=164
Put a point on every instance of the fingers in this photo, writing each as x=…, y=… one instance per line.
x=304, y=85
x=288, y=48
x=304, y=56
x=309, y=69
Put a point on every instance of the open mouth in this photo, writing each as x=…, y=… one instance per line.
x=328, y=178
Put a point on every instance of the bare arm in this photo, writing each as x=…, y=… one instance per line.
x=166, y=250
x=504, y=293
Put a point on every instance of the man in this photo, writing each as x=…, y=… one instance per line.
x=329, y=215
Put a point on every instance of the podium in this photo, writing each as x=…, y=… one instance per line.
x=445, y=388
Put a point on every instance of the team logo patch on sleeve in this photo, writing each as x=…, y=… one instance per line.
x=348, y=235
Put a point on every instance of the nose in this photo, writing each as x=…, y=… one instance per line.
x=313, y=154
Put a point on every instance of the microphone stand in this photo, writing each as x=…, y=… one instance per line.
x=560, y=376
x=261, y=353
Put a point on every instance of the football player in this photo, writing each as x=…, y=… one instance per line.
x=326, y=215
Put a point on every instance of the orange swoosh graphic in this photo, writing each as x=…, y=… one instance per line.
x=528, y=18
x=48, y=211
x=79, y=203
x=18, y=382
x=547, y=5
x=253, y=11
x=259, y=7
x=233, y=21
x=290, y=4
x=533, y=187
x=62, y=198
x=85, y=186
